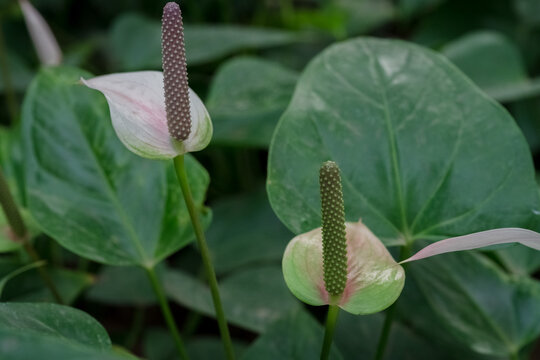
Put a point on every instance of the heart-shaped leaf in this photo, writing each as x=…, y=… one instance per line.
x=87, y=191
x=423, y=152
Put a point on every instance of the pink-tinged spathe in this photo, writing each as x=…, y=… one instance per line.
x=137, y=106
x=374, y=279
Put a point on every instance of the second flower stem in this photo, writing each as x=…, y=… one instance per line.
x=331, y=321
x=205, y=254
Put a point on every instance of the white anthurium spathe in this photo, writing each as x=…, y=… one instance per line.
x=137, y=106
x=45, y=43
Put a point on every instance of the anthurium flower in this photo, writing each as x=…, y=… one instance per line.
x=156, y=115
x=373, y=279
x=345, y=264
x=137, y=105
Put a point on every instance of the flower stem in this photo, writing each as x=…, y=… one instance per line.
x=11, y=100
x=390, y=313
x=205, y=254
x=166, y=311
x=16, y=223
x=331, y=321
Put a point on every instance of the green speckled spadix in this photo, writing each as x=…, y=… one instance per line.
x=333, y=229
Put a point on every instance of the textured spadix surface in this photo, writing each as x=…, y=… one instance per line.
x=137, y=105
x=374, y=279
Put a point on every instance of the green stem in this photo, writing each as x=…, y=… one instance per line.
x=11, y=100
x=166, y=310
x=205, y=254
x=16, y=223
x=331, y=321
x=390, y=313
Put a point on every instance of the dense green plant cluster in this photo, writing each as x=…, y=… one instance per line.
x=430, y=108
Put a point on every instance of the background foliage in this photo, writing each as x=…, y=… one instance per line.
x=76, y=182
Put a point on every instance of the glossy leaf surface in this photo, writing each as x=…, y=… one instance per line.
x=87, y=191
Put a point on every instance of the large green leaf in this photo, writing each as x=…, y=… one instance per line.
x=296, y=336
x=494, y=63
x=246, y=99
x=423, y=152
x=245, y=231
x=135, y=43
x=252, y=299
x=90, y=193
x=51, y=332
x=478, y=304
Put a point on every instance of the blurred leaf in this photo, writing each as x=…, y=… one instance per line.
x=125, y=286
x=528, y=11
x=456, y=18
x=252, y=299
x=481, y=306
x=296, y=336
x=20, y=74
x=409, y=8
x=246, y=231
x=51, y=332
x=29, y=286
x=246, y=99
x=5, y=278
x=87, y=191
x=520, y=260
x=366, y=15
x=494, y=63
x=409, y=132
x=7, y=240
x=356, y=338
x=158, y=345
x=135, y=41
x=527, y=115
